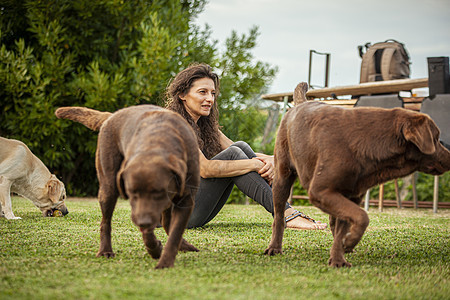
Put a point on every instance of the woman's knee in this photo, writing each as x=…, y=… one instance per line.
x=245, y=148
x=236, y=152
x=242, y=145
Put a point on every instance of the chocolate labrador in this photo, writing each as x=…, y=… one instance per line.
x=148, y=155
x=339, y=153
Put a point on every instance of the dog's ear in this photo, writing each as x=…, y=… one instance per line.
x=54, y=189
x=418, y=130
x=179, y=168
x=120, y=183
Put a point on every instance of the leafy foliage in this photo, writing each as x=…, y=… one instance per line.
x=424, y=187
x=107, y=55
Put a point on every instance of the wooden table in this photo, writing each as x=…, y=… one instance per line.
x=368, y=88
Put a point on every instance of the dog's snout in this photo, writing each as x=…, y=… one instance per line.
x=145, y=220
x=64, y=211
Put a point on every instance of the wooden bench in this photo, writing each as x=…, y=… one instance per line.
x=329, y=96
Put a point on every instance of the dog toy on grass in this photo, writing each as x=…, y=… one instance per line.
x=57, y=213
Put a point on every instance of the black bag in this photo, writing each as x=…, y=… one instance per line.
x=384, y=61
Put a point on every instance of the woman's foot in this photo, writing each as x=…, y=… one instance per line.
x=298, y=220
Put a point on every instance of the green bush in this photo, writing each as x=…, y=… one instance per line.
x=424, y=188
x=107, y=55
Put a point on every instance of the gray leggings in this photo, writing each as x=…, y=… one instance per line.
x=213, y=193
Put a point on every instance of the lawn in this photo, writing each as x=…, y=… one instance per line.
x=404, y=254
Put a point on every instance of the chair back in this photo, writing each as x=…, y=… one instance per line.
x=438, y=108
x=383, y=101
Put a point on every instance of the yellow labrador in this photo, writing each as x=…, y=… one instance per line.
x=21, y=172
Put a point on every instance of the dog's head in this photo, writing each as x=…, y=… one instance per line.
x=53, y=197
x=421, y=130
x=150, y=184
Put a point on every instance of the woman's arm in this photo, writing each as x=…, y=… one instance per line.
x=225, y=142
x=264, y=155
x=266, y=171
x=228, y=168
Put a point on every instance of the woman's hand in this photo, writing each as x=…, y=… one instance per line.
x=268, y=170
x=258, y=164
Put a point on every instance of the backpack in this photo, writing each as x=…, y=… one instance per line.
x=384, y=61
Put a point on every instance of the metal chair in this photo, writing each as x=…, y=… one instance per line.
x=383, y=101
x=438, y=108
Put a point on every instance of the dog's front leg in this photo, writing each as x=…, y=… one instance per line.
x=185, y=246
x=107, y=205
x=152, y=244
x=178, y=221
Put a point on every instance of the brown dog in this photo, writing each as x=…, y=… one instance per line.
x=23, y=173
x=149, y=155
x=339, y=153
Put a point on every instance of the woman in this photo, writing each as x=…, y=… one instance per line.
x=223, y=163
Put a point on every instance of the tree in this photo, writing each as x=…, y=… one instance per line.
x=242, y=81
x=106, y=55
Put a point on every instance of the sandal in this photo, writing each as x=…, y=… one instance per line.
x=300, y=221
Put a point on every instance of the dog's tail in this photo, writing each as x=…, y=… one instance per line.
x=91, y=118
x=300, y=93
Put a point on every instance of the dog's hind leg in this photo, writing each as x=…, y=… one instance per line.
x=332, y=224
x=337, y=251
x=5, y=199
x=282, y=183
x=107, y=165
x=281, y=191
x=351, y=240
x=350, y=222
x=107, y=204
x=178, y=221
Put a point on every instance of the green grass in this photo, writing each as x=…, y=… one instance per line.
x=403, y=255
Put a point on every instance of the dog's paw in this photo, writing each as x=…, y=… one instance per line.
x=349, y=242
x=164, y=264
x=185, y=246
x=107, y=254
x=11, y=216
x=338, y=263
x=156, y=251
x=349, y=250
x=273, y=251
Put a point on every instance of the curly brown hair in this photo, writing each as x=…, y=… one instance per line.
x=207, y=127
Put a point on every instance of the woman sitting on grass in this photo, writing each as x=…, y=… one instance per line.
x=223, y=163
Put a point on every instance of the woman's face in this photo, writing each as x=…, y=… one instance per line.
x=200, y=98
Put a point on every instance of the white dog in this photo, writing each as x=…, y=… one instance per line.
x=23, y=173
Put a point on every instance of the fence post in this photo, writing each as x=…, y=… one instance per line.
x=366, y=201
x=436, y=194
x=380, y=198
